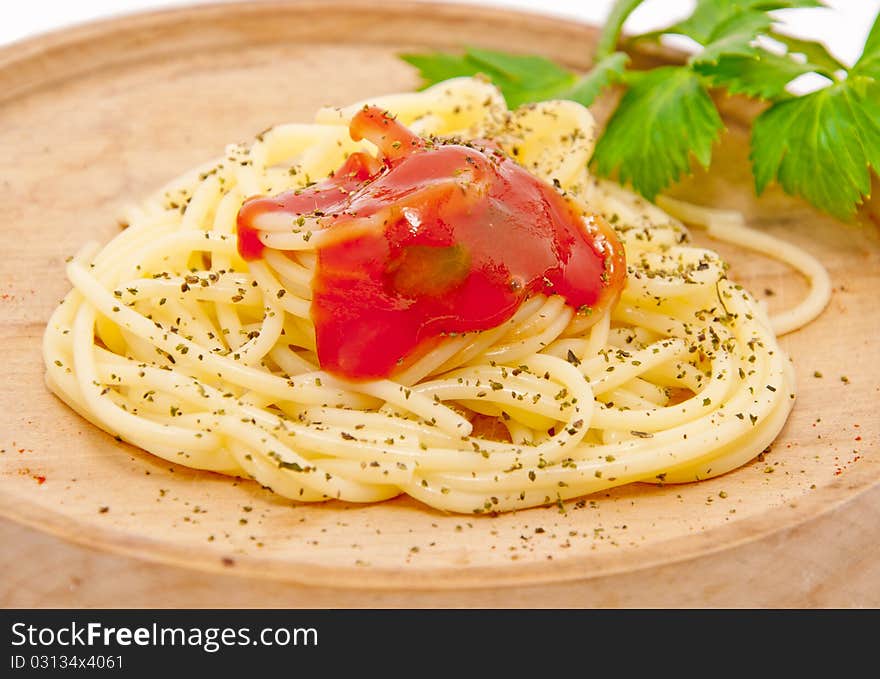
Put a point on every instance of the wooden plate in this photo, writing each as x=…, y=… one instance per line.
x=103, y=114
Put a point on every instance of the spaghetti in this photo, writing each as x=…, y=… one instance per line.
x=173, y=342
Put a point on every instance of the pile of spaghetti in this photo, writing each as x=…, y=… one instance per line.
x=174, y=342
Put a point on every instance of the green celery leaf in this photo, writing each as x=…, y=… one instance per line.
x=619, y=13
x=815, y=52
x=605, y=72
x=872, y=44
x=524, y=70
x=664, y=118
x=436, y=67
x=869, y=63
x=710, y=14
x=762, y=76
x=821, y=146
x=734, y=37
x=521, y=79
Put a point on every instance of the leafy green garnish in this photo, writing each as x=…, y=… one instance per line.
x=619, y=13
x=667, y=115
x=733, y=37
x=709, y=15
x=764, y=77
x=815, y=53
x=521, y=79
x=820, y=146
x=604, y=73
x=869, y=64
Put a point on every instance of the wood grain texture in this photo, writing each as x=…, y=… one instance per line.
x=100, y=116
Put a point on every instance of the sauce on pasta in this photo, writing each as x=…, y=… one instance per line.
x=432, y=239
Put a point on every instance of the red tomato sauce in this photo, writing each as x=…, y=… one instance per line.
x=454, y=238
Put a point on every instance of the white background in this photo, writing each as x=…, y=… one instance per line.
x=843, y=27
